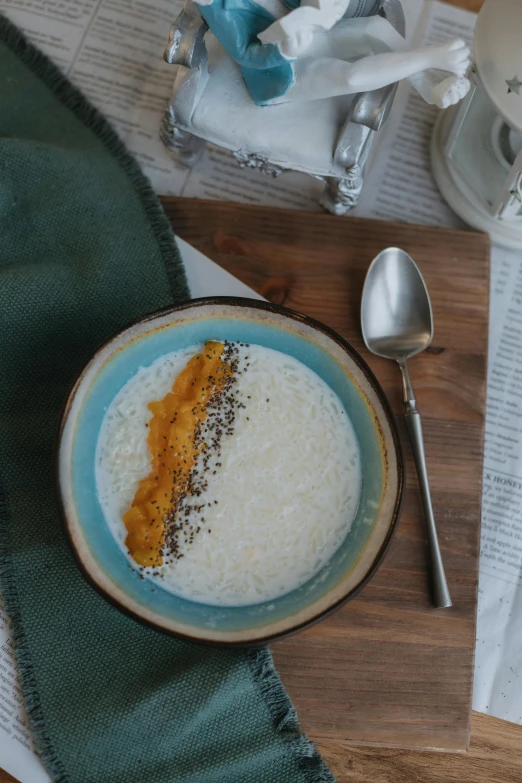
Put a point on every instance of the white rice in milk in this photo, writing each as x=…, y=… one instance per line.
x=287, y=489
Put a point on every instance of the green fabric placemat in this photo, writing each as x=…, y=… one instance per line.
x=84, y=249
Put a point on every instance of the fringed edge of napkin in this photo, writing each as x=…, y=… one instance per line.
x=260, y=661
x=285, y=718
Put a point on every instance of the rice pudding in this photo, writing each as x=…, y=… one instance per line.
x=229, y=473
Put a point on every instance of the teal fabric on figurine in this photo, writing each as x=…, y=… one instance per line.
x=236, y=24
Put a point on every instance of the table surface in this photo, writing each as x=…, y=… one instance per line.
x=495, y=754
x=393, y=672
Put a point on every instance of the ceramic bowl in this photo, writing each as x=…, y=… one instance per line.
x=336, y=362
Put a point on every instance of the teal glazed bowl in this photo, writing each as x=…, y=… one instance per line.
x=99, y=555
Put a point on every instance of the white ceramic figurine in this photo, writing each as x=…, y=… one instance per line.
x=303, y=85
x=302, y=51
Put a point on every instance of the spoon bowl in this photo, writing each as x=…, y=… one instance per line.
x=396, y=314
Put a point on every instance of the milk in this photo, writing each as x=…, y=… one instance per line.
x=281, y=500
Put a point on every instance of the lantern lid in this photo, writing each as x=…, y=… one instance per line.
x=498, y=57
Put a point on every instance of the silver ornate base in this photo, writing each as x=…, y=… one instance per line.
x=252, y=161
x=342, y=195
x=184, y=146
x=339, y=197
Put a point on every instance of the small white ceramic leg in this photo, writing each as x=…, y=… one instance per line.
x=448, y=92
x=357, y=37
x=352, y=38
x=325, y=77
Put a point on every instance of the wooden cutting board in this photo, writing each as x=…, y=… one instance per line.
x=386, y=669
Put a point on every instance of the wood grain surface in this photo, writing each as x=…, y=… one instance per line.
x=470, y=5
x=495, y=756
x=386, y=669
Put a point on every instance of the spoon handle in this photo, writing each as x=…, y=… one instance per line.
x=439, y=586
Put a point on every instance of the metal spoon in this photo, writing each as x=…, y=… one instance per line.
x=397, y=323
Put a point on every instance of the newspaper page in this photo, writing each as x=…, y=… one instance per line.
x=112, y=50
x=498, y=662
x=17, y=751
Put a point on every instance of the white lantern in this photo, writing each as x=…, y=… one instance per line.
x=477, y=146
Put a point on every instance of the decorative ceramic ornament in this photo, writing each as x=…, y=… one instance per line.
x=284, y=90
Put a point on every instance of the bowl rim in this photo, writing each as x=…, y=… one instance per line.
x=269, y=307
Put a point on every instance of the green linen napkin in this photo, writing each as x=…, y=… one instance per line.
x=84, y=249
